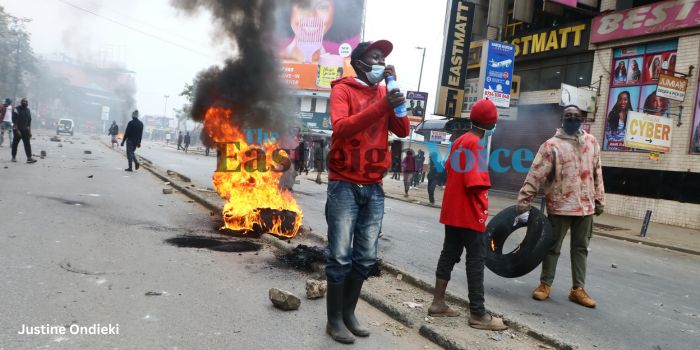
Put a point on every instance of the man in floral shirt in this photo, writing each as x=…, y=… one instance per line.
x=568, y=165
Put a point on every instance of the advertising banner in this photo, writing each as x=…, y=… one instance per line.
x=315, y=39
x=695, y=133
x=672, y=87
x=415, y=103
x=649, y=132
x=498, y=72
x=453, y=66
x=659, y=17
x=437, y=136
x=585, y=99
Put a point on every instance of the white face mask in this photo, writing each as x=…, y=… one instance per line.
x=376, y=74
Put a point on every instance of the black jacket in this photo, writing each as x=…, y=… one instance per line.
x=134, y=131
x=113, y=130
x=22, y=119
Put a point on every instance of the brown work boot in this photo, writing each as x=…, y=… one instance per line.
x=579, y=296
x=541, y=292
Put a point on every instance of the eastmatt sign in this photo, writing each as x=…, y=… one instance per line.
x=557, y=41
x=651, y=19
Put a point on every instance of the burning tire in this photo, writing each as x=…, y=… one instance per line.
x=529, y=253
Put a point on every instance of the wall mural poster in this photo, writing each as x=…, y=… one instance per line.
x=634, y=70
x=651, y=104
x=657, y=63
x=695, y=142
x=621, y=101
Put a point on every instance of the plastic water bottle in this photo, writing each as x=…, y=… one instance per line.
x=391, y=84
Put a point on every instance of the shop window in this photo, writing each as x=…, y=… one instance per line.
x=321, y=105
x=306, y=104
x=578, y=74
x=551, y=77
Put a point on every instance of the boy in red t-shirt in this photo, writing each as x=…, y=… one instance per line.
x=464, y=214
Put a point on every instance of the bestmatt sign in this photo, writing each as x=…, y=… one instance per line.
x=651, y=19
x=497, y=72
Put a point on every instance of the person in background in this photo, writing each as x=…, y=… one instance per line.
x=21, y=124
x=396, y=167
x=319, y=160
x=167, y=138
x=432, y=177
x=6, y=112
x=408, y=166
x=420, y=160
x=113, y=132
x=186, y=141
x=634, y=74
x=464, y=213
x=132, y=138
x=179, y=140
x=569, y=167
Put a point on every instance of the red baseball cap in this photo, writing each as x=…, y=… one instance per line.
x=385, y=46
x=484, y=113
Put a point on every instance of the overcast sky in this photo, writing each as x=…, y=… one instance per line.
x=167, y=49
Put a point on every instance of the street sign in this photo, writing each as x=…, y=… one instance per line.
x=671, y=87
x=497, y=63
x=648, y=132
x=105, y=113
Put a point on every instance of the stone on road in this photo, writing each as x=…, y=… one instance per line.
x=284, y=300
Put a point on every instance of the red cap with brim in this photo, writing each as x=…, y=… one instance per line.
x=385, y=46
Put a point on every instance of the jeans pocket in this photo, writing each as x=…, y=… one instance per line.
x=332, y=188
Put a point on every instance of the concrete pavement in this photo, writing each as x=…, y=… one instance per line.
x=647, y=288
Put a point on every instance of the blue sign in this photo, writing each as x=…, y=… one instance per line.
x=498, y=77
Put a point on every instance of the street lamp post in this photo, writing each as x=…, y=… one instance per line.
x=165, y=107
x=420, y=78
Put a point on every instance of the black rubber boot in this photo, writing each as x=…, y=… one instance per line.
x=353, y=286
x=334, y=309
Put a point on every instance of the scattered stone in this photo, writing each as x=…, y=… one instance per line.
x=542, y=346
x=55, y=139
x=90, y=177
x=315, y=289
x=614, y=266
x=87, y=152
x=60, y=145
x=153, y=294
x=284, y=300
x=399, y=277
x=42, y=154
x=167, y=191
x=496, y=337
x=170, y=172
x=412, y=305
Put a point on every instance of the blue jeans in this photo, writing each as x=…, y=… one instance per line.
x=354, y=216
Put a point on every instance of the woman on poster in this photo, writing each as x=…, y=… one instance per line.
x=656, y=105
x=617, y=118
x=621, y=72
x=635, y=74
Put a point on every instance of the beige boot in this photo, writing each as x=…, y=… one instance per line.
x=541, y=292
x=492, y=323
x=579, y=296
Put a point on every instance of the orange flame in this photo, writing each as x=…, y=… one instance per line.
x=248, y=191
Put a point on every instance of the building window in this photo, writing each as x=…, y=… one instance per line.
x=306, y=104
x=321, y=105
x=550, y=73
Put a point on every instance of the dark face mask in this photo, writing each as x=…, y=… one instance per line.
x=571, y=125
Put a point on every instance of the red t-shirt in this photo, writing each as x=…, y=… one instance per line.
x=466, y=202
x=361, y=119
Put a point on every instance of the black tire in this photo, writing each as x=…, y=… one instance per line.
x=531, y=251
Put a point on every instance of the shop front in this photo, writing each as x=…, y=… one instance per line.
x=648, y=57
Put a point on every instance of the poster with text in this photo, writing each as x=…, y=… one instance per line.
x=315, y=39
x=695, y=141
x=621, y=102
x=499, y=73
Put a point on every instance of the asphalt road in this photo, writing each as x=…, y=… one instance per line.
x=650, y=300
x=83, y=242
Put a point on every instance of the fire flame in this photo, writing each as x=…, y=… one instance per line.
x=254, y=201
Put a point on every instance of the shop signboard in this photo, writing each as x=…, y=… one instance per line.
x=659, y=17
x=585, y=99
x=315, y=40
x=437, y=136
x=555, y=42
x=672, y=87
x=453, y=66
x=649, y=132
x=497, y=72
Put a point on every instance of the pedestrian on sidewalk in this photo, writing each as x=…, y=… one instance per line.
x=408, y=165
x=6, y=113
x=569, y=167
x=179, y=140
x=319, y=160
x=396, y=167
x=362, y=116
x=167, y=138
x=464, y=214
x=420, y=160
x=132, y=137
x=186, y=141
x=21, y=124
x=432, y=176
x=113, y=132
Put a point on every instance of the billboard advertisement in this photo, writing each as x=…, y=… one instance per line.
x=315, y=39
x=497, y=72
x=649, y=132
x=695, y=133
x=415, y=103
x=455, y=57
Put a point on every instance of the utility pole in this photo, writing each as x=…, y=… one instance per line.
x=165, y=107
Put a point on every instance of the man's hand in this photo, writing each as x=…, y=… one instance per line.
x=395, y=98
x=598, y=210
x=522, y=218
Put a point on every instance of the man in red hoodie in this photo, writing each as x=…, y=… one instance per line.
x=464, y=213
x=362, y=116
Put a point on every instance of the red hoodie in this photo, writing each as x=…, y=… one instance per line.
x=361, y=118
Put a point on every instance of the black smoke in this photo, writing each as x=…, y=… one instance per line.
x=248, y=83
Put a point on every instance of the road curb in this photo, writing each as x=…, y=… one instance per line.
x=434, y=336
x=371, y=298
